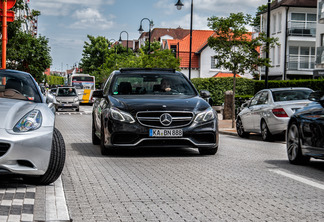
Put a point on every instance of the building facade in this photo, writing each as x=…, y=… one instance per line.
x=293, y=22
x=319, y=63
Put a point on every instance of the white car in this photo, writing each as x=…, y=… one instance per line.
x=30, y=145
x=269, y=111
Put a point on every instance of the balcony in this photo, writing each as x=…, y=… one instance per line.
x=301, y=28
x=300, y=62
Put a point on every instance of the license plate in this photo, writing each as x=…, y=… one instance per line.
x=67, y=104
x=165, y=132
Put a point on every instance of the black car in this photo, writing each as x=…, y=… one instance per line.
x=305, y=134
x=153, y=108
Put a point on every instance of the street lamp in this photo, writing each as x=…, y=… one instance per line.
x=179, y=6
x=141, y=30
x=120, y=39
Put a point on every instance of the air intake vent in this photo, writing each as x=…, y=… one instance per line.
x=4, y=147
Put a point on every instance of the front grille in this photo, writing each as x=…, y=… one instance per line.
x=152, y=119
x=4, y=147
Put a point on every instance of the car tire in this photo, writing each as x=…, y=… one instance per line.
x=95, y=139
x=56, y=163
x=240, y=129
x=294, y=152
x=204, y=151
x=265, y=132
x=77, y=110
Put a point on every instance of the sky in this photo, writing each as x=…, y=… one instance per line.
x=66, y=23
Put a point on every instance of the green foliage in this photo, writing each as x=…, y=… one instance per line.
x=29, y=54
x=218, y=86
x=314, y=84
x=256, y=20
x=54, y=80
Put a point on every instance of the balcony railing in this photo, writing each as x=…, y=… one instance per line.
x=320, y=55
x=300, y=62
x=302, y=28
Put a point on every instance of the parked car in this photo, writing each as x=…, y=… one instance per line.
x=268, y=112
x=50, y=97
x=138, y=108
x=305, y=134
x=30, y=145
x=66, y=98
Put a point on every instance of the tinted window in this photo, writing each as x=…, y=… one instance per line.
x=136, y=84
x=263, y=98
x=288, y=95
x=254, y=101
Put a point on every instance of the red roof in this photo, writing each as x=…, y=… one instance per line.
x=225, y=75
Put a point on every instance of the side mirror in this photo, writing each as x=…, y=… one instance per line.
x=52, y=107
x=54, y=93
x=315, y=96
x=205, y=94
x=97, y=93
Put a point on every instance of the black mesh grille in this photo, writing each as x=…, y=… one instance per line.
x=152, y=119
x=4, y=147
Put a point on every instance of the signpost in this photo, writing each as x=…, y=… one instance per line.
x=7, y=16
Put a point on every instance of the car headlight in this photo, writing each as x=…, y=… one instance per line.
x=205, y=116
x=76, y=99
x=121, y=116
x=31, y=121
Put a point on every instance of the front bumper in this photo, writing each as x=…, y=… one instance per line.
x=63, y=106
x=136, y=135
x=25, y=153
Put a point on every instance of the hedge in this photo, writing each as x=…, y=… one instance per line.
x=246, y=88
x=54, y=80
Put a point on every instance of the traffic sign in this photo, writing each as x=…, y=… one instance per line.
x=10, y=4
x=10, y=15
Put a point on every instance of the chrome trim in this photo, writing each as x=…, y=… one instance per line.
x=157, y=119
x=159, y=138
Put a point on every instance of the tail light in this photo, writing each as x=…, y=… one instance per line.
x=280, y=112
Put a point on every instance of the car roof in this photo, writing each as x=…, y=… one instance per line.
x=289, y=88
x=146, y=71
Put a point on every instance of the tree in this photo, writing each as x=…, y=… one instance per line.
x=100, y=60
x=25, y=52
x=235, y=49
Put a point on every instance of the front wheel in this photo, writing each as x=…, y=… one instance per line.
x=212, y=151
x=294, y=152
x=56, y=163
x=95, y=139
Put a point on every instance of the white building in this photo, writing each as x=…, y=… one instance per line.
x=293, y=22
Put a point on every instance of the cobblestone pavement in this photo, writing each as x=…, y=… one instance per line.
x=239, y=183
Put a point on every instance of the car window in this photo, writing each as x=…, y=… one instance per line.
x=16, y=86
x=151, y=84
x=288, y=95
x=66, y=92
x=255, y=99
x=263, y=98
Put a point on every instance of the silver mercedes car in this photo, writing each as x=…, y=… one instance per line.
x=269, y=111
x=30, y=145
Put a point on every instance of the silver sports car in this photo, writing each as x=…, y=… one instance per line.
x=30, y=145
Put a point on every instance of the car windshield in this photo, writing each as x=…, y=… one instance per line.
x=18, y=86
x=288, y=95
x=66, y=92
x=151, y=84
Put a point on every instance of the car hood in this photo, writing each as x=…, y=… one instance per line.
x=12, y=110
x=154, y=103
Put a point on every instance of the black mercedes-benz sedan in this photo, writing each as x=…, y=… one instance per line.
x=305, y=134
x=153, y=108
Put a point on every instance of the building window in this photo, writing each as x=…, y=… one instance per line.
x=274, y=22
x=278, y=55
x=301, y=58
x=213, y=62
x=302, y=24
x=322, y=39
x=279, y=22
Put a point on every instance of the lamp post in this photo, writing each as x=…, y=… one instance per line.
x=141, y=30
x=179, y=6
x=120, y=39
